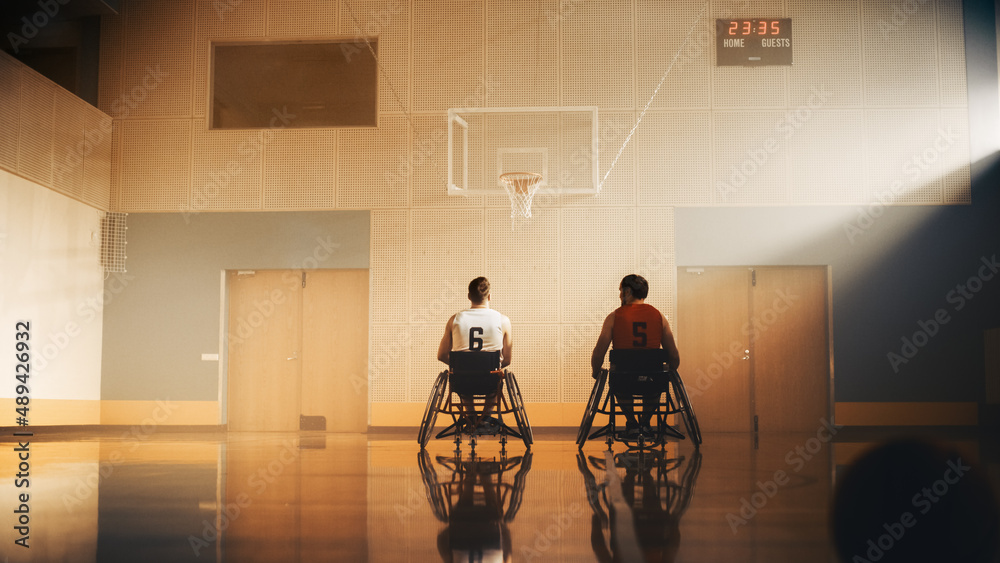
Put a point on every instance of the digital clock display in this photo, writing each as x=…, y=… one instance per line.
x=753, y=42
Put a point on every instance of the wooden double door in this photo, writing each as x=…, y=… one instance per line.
x=755, y=346
x=298, y=350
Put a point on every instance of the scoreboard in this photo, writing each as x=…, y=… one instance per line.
x=753, y=42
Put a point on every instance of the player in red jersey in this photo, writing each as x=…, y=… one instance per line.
x=635, y=324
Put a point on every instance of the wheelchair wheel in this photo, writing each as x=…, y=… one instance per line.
x=590, y=412
x=690, y=420
x=517, y=403
x=433, y=406
x=432, y=487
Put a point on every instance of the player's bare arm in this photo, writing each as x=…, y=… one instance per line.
x=603, y=341
x=508, y=343
x=444, y=349
x=667, y=341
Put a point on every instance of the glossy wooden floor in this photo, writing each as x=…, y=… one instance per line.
x=160, y=496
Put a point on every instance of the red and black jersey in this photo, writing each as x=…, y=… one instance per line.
x=637, y=326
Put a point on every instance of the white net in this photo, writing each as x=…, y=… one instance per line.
x=113, y=242
x=521, y=188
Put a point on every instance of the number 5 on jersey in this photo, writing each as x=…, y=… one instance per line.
x=639, y=332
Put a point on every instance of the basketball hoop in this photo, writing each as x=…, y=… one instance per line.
x=521, y=188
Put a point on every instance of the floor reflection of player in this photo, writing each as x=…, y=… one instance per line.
x=656, y=501
x=476, y=504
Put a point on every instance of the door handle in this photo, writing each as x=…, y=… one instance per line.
x=295, y=356
x=746, y=354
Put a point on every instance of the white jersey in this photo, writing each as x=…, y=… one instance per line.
x=478, y=328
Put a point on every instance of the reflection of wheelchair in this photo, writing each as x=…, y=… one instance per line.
x=475, y=503
x=639, y=375
x=656, y=488
x=476, y=378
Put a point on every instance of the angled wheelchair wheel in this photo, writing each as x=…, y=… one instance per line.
x=687, y=412
x=517, y=403
x=432, y=487
x=437, y=397
x=593, y=404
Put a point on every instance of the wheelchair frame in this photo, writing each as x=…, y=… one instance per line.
x=676, y=402
x=443, y=400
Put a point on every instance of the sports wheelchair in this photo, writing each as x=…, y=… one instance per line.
x=477, y=500
x=637, y=373
x=477, y=377
x=657, y=488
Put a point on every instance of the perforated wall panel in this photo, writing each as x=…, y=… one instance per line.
x=448, y=61
x=10, y=109
x=226, y=169
x=674, y=155
x=116, y=166
x=446, y=253
x=109, y=87
x=36, y=127
x=522, y=52
x=300, y=169
x=300, y=18
x=97, y=161
x=827, y=52
x=596, y=49
x=158, y=58
x=750, y=158
x=534, y=362
x=951, y=35
x=598, y=249
x=388, y=364
x=903, y=154
x=896, y=77
x=369, y=162
x=655, y=251
x=156, y=165
x=220, y=21
x=955, y=159
x=523, y=266
x=826, y=157
x=424, y=365
x=68, y=144
x=618, y=187
x=390, y=278
x=389, y=22
x=577, y=344
x=429, y=170
x=688, y=84
x=749, y=87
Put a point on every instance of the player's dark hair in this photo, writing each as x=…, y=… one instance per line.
x=637, y=285
x=479, y=290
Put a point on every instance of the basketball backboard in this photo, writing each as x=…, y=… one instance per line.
x=558, y=143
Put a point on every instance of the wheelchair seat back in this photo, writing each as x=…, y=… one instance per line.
x=474, y=372
x=638, y=370
x=638, y=360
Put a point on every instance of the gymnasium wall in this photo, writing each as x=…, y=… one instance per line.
x=55, y=184
x=53, y=138
x=51, y=277
x=875, y=108
x=169, y=311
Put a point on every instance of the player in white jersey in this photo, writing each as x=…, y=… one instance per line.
x=477, y=328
